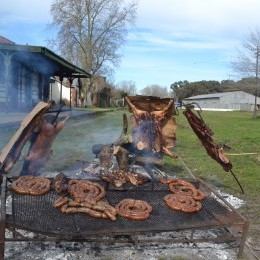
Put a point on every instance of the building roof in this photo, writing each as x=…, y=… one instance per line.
x=4, y=40
x=212, y=95
x=44, y=60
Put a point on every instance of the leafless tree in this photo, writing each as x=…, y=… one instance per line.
x=127, y=87
x=246, y=62
x=90, y=33
x=156, y=90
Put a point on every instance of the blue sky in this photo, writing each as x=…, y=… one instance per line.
x=173, y=40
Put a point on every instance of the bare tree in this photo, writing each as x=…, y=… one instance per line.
x=90, y=33
x=127, y=87
x=246, y=62
x=156, y=90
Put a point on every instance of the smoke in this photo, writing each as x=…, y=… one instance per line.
x=24, y=76
x=74, y=143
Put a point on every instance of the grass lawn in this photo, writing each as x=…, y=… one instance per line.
x=241, y=133
x=237, y=129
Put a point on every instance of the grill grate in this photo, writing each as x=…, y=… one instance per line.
x=36, y=213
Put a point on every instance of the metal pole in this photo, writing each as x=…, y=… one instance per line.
x=256, y=80
x=61, y=87
x=3, y=218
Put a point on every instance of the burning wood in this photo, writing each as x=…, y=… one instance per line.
x=152, y=134
x=122, y=156
x=105, y=156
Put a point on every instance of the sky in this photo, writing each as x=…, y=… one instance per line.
x=172, y=40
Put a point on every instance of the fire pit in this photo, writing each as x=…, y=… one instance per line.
x=151, y=137
x=37, y=214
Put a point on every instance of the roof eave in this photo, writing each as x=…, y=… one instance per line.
x=75, y=71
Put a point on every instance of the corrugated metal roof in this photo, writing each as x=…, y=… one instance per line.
x=213, y=95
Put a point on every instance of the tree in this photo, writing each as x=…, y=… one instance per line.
x=185, y=89
x=155, y=90
x=127, y=87
x=246, y=84
x=246, y=62
x=90, y=33
x=176, y=87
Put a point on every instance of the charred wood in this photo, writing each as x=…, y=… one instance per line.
x=105, y=156
x=122, y=157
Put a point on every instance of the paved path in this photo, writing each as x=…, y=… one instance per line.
x=9, y=119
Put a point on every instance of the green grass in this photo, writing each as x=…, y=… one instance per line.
x=241, y=133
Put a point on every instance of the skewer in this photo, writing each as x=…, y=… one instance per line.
x=237, y=182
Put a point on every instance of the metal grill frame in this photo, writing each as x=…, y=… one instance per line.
x=197, y=233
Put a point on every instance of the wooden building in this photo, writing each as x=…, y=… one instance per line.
x=25, y=73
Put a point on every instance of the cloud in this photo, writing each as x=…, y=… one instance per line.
x=188, y=39
x=153, y=42
x=221, y=18
x=25, y=11
x=25, y=22
x=173, y=39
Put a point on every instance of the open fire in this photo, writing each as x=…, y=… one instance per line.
x=139, y=150
x=122, y=195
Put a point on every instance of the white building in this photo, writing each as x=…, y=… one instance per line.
x=226, y=101
x=65, y=91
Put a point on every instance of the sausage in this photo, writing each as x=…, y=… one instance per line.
x=60, y=202
x=134, y=209
x=182, y=203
